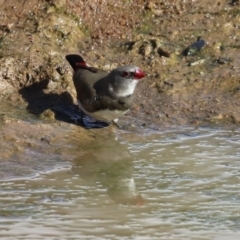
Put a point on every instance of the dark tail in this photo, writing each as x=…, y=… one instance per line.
x=75, y=61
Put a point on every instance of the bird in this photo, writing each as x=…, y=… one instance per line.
x=103, y=95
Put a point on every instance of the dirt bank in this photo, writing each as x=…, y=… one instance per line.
x=179, y=90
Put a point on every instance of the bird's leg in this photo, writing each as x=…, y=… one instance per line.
x=115, y=123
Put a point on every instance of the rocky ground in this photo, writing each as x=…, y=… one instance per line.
x=198, y=89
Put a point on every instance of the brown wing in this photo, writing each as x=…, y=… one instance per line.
x=84, y=80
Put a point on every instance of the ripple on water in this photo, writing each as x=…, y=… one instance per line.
x=190, y=182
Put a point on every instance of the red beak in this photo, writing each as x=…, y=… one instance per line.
x=139, y=74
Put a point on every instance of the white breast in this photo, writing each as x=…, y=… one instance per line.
x=105, y=115
x=124, y=90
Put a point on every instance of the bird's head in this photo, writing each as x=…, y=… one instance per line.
x=123, y=80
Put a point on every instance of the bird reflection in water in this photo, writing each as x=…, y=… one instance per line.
x=110, y=163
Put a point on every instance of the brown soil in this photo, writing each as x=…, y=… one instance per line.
x=36, y=35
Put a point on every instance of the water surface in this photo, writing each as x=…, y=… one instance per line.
x=188, y=181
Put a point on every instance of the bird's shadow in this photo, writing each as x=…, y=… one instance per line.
x=39, y=101
x=62, y=105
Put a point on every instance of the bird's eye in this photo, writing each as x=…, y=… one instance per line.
x=124, y=74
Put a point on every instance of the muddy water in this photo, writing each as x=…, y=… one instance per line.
x=166, y=185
